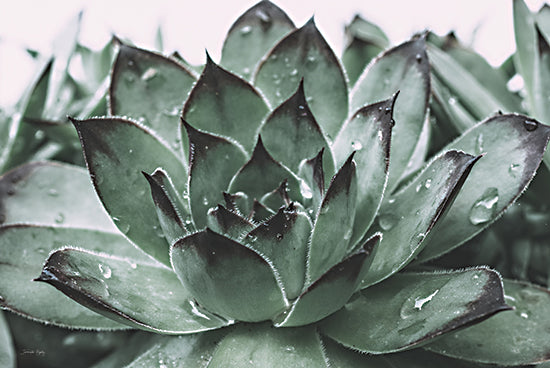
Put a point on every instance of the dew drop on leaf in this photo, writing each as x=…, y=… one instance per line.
x=105, y=271
x=356, y=145
x=122, y=226
x=53, y=192
x=387, y=221
x=479, y=144
x=245, y=31
x=305, y=190
x=485, y=207
x=149, y=74
x=60, y=218
x=530, y=125
x=514, y=169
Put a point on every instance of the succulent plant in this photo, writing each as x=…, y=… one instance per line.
x=267, y=214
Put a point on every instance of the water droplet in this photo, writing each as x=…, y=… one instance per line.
x=479, y=144
x=245, y=31
x=347, y=235
x=418, y=58
x=279, y=236
x=122, y=225
x=290, y=349
x=484, y=209
x=39, y=135
x=530, y=125
x=131, y=63
x=129, y=78
x=524, y=315
x=294, y=72
x=264, y=17
x=428, y=183
x=391, y=200
x=305, y=190
x=419, y=302
x=196, y=310
x=324, y=209
x=514, y=169
x=133, y=266
x=246, y=72
x=60, y=218
x=149, y=74
x=53, y=192
x=387, y=221
x=205, y=201
x=105, y=271
x=356, y=145
x=452, y=100
x=69, y=340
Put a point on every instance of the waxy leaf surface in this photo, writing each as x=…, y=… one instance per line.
x=224, y=104
x=407, y=217
x=140, y=294
x=151, y=89
x=516, y=337
x=252, y=36
x=7, y=352
x=406, y=69
x=117, y=151
x=227, y=278
x=412, y=308
x=495, y=182
x=305, y=54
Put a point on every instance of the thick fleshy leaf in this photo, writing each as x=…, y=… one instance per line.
x=334, y=223
x=542, y=83
x=407, y=218
x=455, y=112
x=517, y=337
x=261, y=174
x=332, y=290
x=260, y=212
x=526, y=47
x=178, y=351
x=252, y=35
x=170, y=217
x=7, y=353
x=368, y=133
x=229, y=223
x=261, y=345
x=283, y=241
x=404, y=68
x=140, y=294
x=277, y=198
x=365, y=40
x=410, y=309
x=206, y=264
x=222, y=103
x=115, y=159
x=18, y=264
x=150, y=88
x=291, y=134
x=495, y=182
x=213, y=162
x=305, y=54
x=47, y=193
x=471, y=92
x=313, y=186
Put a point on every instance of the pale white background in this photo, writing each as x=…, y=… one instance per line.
x=191, y=26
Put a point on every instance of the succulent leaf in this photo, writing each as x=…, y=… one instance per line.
x=333, y=226
x=282, y=239
x=252, y=35
x=311, y=171
x=259, y=175
x=109, y=146
x=291, y=132
x=404, y=68
x=222, y=103
x=331, y=291
x=139, y=294
x=455, y=112
x=213, y=162
x=206, y=262
x=526, y=47
x=224, y=221
x=368, y=133
x=510, y=338
x=410, y=309
x=541, y=86
x=304, y=54
x=151, y=89
x=407, y=218
x=263, y=346
x=7, y=351
x=495, y=182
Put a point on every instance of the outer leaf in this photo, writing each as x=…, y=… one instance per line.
x=404, y=68
x=222, y=103
x=206, y=263
x=252, y=35
x=409, y=216
x=46, y=193
x=305, y=54
x=541, y=81
x=7, y=353
x=455, y=113
x=516, y=337
x=213, y=163
x=182, y=351
x=282, y=240
x=223, y=221
x=412, y=308
x=264, y=346
x=526, y=45
x=334, y=223
x=113, y=146
x=365, y=40
x=496, y=181
x=291, y=133
x=150, y=88
x=261, y=174
x=40, y=302
x=368, y=133
x=140, y=294
x=332, y=290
